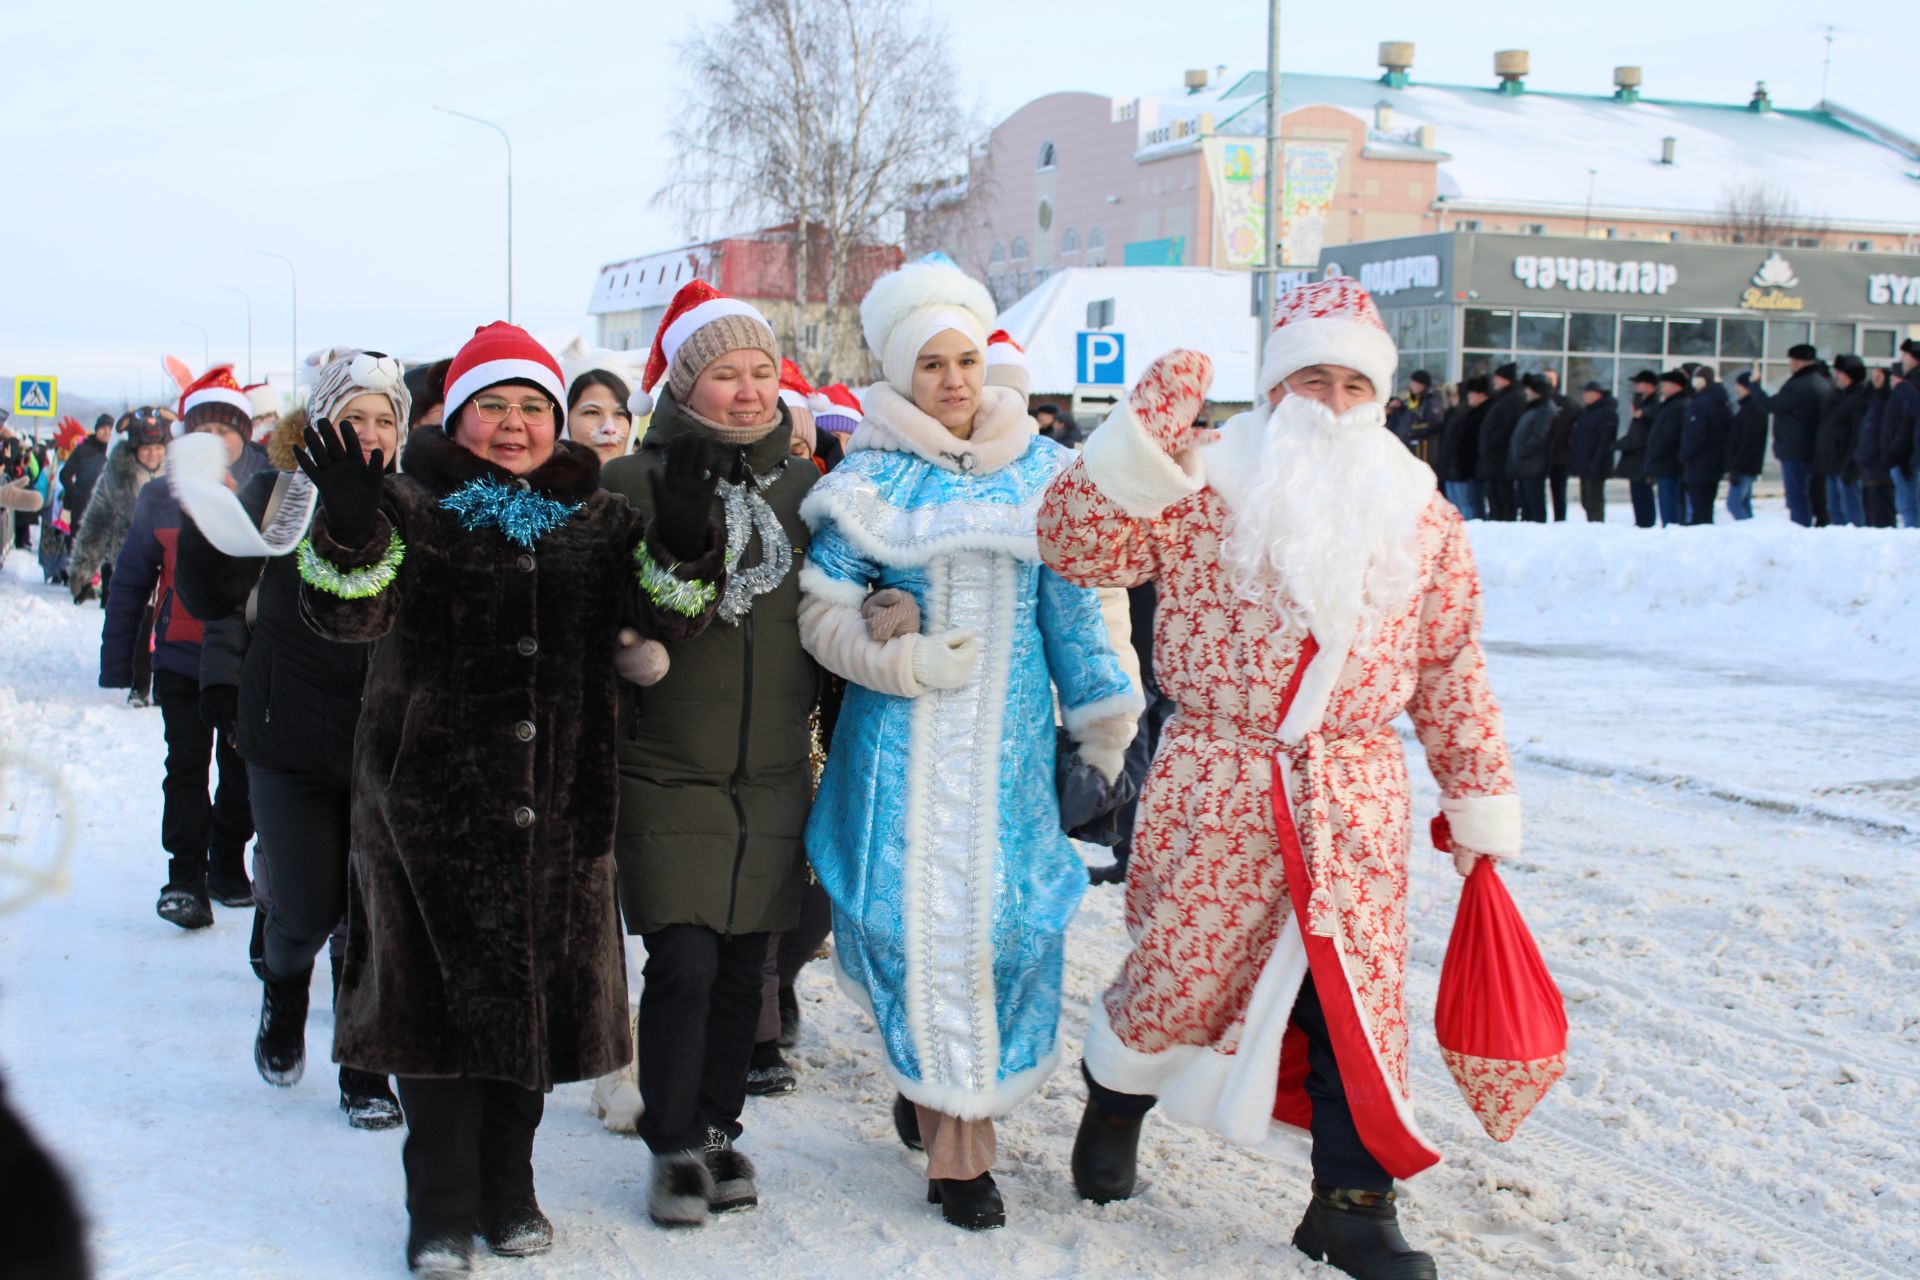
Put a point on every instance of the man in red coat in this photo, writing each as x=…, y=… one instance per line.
x=1313, y=586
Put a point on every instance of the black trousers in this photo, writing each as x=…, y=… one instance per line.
x=1557, y=488
x=1876, y=501
x=1645, y=512
x=1700, y=499
x=1339, y=1159
x=469, y=1146
x=1501, y=504
x=303, y=822
x=1530, y=494
x=1593, y=498
x=699, y=1010
x=1817, y=500
x=194, y=830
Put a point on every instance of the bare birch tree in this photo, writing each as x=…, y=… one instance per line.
x=822, y=114
x=1764, y=213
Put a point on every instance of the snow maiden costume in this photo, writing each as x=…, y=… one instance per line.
x=1267, y=893
x=936, y=830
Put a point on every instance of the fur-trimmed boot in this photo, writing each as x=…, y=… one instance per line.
x=732, y=1173
x=1358, y=1232
x=680, y=1191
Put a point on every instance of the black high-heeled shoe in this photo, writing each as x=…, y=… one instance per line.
x=906, y=1123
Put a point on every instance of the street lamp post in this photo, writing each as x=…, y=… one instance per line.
x=206, y=349
x=293, y=284
x=249, y=301
x=1269, y=256
x=509, y=141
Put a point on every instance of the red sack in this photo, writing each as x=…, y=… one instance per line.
x=1501, y=1023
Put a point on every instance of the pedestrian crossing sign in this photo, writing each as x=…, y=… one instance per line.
x=35, y=397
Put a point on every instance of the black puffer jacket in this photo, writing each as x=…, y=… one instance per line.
x=1590, y=450
x=1496, y=432
x=1632, y=448
x=1839, y=423
x=1703, y=438
x=1797, y=408
x=78, y=477
x=1663, y=437
x=1530, y=453
x=1747, y=441
x=1459, y=451
x=715, y=781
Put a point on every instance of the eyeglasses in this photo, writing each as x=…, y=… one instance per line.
x=493, y=409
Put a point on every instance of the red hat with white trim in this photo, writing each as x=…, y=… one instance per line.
x=502, y=352
x=794, y=387
x=215, y=397
x=1331, y=322
x=1007, y=363
x=702, y=324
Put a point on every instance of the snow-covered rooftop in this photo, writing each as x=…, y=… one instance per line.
x=1535, y=149
x=650, y=280
x=1157, y=308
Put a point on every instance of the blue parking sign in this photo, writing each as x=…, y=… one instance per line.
x=1100, y=359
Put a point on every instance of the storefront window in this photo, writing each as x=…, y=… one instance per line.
x=1782, y=334
x=1833, y=339
x=1641, y=334
x=1480, y=363
x=1541, y=331
x=1693, y=338
x=1489, y=328
x=1591, y=331
x=1439, y=327
x=1741, y=338
x=1584, y=369
x=1876, y=344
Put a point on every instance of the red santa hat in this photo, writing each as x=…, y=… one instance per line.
x=1329, y=322
x=794, y=387
x=714, y=324
x=836, y=409
x=1007, y=364
x=501, y=352
x=215, y=396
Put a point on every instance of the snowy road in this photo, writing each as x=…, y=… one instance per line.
x=1741, y=1100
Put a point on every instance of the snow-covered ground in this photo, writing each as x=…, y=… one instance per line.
x=1717, y=738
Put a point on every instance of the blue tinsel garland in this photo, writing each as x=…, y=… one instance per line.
x=521, y=514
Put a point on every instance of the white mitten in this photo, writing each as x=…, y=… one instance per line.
x=945, y=661
x=1106, y=761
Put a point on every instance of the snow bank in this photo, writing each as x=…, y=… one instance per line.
x=1753, y=590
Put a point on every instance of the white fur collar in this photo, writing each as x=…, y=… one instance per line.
x=1001, y=432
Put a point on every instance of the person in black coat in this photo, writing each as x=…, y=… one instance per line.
x=1632, y=448
x=1590, y=448
x=1560, y=468
x=1869, y=453
x=1900, y=435
x=1746, y=447
x=1833, y=442
x=1496, y=441
x=1796, y=408
x=82, y=470
x=1457, y=460
x=1662, y=457
x=1530, y=453
x=1703, y=446
x=289, y=701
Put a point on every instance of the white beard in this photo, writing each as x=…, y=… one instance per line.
x=1325, y=534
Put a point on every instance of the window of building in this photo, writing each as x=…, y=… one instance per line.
x=1877, y=344
x=1048, y=157
x=1584, y=369
x=1590, y=331
x=1673, y=237
x=1044, y=215
x=1803, y=242
x=996, y=255
x=1069, y=241
x=1096, y=247
x=1019, y=251
x=1487, y=328
x=1533, y=228
x=1692, y=337
x=1466, y=224
x=1782, y=334
x=1641, y=335
x=1832, y=339
x=1040, y=276
x=1860, y=246
x=1540, y=331
x=1741, y=339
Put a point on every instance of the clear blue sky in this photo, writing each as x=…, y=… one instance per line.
x=149, y=146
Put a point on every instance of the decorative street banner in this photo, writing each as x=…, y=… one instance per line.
x=1309, y=178
x=1309, y=175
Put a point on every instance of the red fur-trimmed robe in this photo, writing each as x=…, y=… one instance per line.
x=1199, y=1013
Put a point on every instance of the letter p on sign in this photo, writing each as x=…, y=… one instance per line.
x=1100, y=359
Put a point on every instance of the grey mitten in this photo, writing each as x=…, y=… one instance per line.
x=889, y=614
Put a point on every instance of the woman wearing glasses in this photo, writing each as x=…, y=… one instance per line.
x=483, y=955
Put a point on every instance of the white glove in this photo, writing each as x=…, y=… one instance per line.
x=945, y=661
x=1106, y=761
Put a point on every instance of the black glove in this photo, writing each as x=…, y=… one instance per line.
x=220, y=710
x=349, y=481
x=682, y=496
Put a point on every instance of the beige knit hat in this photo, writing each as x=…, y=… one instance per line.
x=702, y=324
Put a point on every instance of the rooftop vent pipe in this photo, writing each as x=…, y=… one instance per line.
x=1382, y=116
x=1396, y=59
x=1761, y=102
x=1626, y=84
x=1196, y=80
x=1666, y=149
x=1511, y=66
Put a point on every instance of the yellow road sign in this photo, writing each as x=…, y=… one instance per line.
x=35, y=397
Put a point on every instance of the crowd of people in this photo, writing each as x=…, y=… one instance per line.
x=494, y=662
x=1846, y=435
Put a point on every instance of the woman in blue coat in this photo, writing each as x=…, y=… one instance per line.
x=936, y=831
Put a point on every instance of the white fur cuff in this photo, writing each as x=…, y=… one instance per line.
x=817, y=582
x=1134, y=471
x=1484, y=824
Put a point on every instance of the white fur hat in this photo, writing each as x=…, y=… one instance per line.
x=906, y=307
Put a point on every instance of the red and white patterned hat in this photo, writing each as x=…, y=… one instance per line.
x=216, y=396
x=1331, y=322
x=794, y=387
x=501, y=352
x=1007, y=363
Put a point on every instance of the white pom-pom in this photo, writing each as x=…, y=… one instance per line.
x=639, y=404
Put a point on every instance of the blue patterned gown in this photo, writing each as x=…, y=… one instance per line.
x=936, y=831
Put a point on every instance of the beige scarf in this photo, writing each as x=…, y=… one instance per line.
x=1002, y=430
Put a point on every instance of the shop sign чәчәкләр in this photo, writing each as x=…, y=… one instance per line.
x=1594, y=275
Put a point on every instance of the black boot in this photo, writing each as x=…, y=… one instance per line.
x=768, y=1074
x=733, y=1175
x=1358, y=1232
x=517, y=1230
x=439, y=1255
x=973, y=1203
x=1106, y=1154
x=280, y=1048
x=368, y=1100
x=789, y=1017
x=183, y=899
x=906, y=1123
x=257, y=948
x=227, y=882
